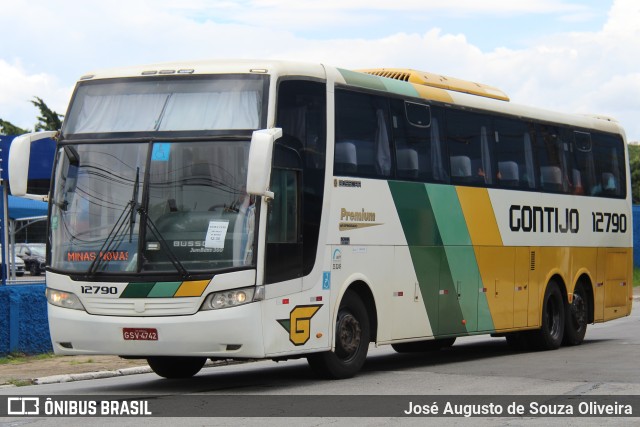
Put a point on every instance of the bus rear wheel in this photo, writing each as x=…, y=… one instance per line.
x=550, y=334
x=577, y=317
x=423, y=346
x=352, y=341
x=173, y=367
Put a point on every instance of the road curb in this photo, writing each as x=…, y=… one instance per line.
x=65, y=378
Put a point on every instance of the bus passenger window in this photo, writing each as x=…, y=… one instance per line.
x=551, y=147
x=583, y=173
x=609, y=166
x=363, y=145
x=470, y=148
x=412, y=134
x=514, y=154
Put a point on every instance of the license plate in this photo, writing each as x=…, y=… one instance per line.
x=140, y=334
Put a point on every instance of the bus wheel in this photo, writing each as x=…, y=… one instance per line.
x=176, y=367
x=352, y=341
x=550, y=334
x=423, y=346
x=577, y=315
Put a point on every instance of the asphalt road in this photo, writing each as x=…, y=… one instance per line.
x=605, y=364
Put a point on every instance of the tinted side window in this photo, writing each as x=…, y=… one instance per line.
x=609, y=166
x=302, y=116
x=417, y=142
x=363, y=146
x=514, y=154
x=582, y=174
x=469, y=143
x=551, y=147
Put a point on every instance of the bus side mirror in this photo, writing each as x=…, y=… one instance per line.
x=19, y=153
x=259, y=166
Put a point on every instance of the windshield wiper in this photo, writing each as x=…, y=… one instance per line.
x=146, y=220
x=129, y=210
x=134, y=207
x=111, y=237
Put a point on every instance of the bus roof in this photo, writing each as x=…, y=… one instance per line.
x=399, y=81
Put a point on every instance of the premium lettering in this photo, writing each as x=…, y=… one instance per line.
x=357, y=215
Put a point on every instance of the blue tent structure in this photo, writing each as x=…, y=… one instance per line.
x=21, y=209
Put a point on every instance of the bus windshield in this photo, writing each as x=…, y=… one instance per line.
x=229, y=102
x=191, y=215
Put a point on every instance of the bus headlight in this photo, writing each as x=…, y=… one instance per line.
x=64, y=299
x=230, y=298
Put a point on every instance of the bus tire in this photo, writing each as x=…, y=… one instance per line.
x=173, y=367
x=551, y=333
x=423, y=346
x=577, y=317
x=352, y=341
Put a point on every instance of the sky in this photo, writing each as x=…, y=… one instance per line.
x=566, y=55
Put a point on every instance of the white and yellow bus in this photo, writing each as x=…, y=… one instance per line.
x=263, y=209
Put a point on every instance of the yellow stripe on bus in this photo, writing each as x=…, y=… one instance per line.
x=192, y=289
x=478, y=213
x=432, y=93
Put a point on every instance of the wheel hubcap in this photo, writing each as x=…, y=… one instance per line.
x=349, y=336
x=578, y=311
x=553, y=318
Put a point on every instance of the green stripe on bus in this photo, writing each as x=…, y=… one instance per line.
x=379, y=83
x=137, y=290
x=463, y=265
x=451, y=317
x=400, y=87
x=428, y=256
x=448, y=215
x=362, y=80
x=442, y=255
x=164, y=290
x=461, y=282
x=415, y=212
x=427, y=263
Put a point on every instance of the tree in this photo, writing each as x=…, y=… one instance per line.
x=634, y=163
x=47, y=120
x=8, y=128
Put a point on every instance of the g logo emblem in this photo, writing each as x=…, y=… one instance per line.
x=299, y=323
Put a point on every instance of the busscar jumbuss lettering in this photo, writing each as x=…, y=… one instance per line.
x=277, y=210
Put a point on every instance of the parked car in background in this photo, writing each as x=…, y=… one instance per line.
x=18, y=266
x=33, y=255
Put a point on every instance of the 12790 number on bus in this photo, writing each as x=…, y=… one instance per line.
x=606, y=222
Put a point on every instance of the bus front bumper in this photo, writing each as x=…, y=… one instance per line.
x=227, y=333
